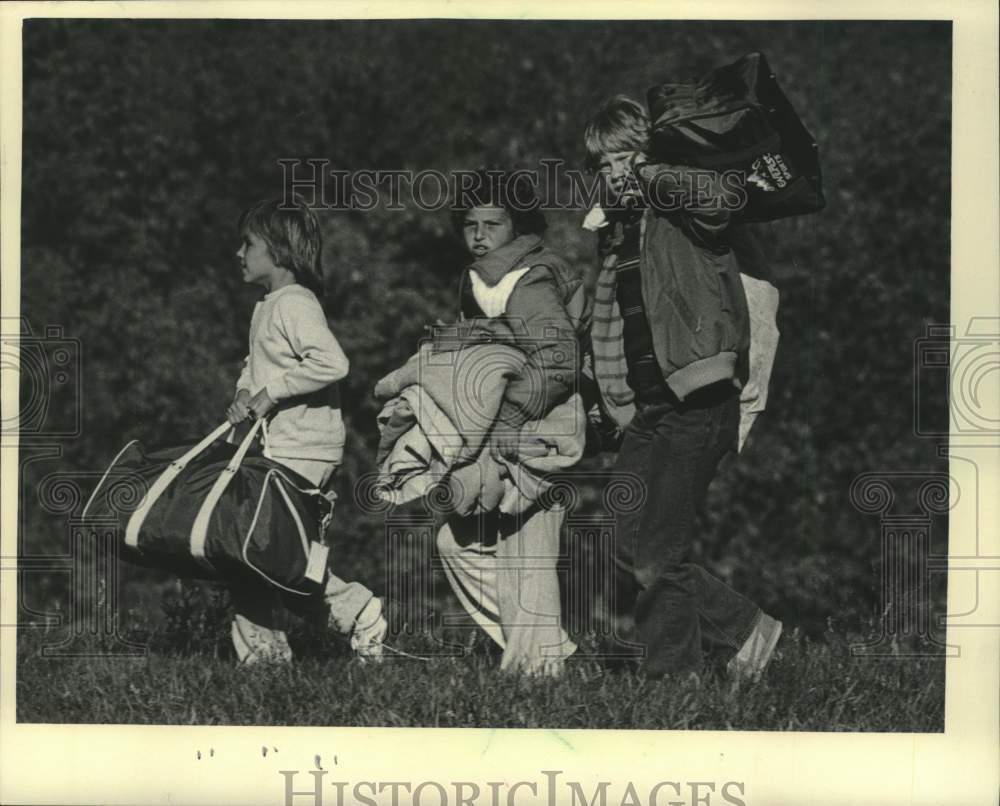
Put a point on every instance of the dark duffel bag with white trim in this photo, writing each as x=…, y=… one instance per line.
x=216, y=511
x=738, y=118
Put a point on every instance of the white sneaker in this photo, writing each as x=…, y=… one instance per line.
x=255, y=644
x=757, y=650
x=370, y=628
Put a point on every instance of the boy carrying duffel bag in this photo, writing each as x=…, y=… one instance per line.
x=255, y=519
x=226, y=512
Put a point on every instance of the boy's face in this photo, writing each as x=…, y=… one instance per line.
x=256, y=261
x=616, y=170
x=486, y=228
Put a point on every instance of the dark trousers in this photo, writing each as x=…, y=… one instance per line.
x=674, y=448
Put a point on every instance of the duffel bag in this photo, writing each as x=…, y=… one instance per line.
x=217, y=511
x=738, y=118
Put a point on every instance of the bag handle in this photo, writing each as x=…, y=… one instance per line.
x=241, y=451
x=174, y=469
x=264, y=438
x=201, y=446
x=199, y=531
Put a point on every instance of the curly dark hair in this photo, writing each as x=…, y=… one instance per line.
x=514, y=191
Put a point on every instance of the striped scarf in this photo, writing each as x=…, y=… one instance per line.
x=607, y=332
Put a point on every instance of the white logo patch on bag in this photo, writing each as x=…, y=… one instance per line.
x=316, y=566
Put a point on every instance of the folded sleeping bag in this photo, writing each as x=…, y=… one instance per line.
x=216, y=511
x=436, y=426
x=737, y=118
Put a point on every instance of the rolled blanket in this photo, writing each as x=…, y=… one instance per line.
x=466, y=384
x=436, y=426
x=418, y=447
x=557, y=444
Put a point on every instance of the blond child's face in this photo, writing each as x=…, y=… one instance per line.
x=616, y=170
x=256, y=262
x=487, y=228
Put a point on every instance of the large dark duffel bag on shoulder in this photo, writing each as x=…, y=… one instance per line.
x=737, y=118
x=216, y=511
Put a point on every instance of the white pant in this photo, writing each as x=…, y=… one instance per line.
x=315, y=471
x=507, y=582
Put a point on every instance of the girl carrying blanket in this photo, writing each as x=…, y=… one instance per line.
x=502, y=567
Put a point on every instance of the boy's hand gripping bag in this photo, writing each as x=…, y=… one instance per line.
x=737, y=118
x=216, y=511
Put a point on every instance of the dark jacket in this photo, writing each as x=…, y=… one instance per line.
x=548, y=312
x=691, y=286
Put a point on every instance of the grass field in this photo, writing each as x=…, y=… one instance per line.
x=811, y=686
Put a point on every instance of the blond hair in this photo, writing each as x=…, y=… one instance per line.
x=621, y=124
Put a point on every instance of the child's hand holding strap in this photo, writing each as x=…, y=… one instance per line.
x=239, y=409
x=260, y=404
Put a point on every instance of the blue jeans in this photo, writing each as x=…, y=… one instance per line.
x=675, y=448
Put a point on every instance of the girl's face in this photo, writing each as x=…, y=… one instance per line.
x=487, y=228
x=256, y=261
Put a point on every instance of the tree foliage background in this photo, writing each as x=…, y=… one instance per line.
x=144, y=140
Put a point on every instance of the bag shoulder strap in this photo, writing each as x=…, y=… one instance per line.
x=165, y=479
x=199, y=531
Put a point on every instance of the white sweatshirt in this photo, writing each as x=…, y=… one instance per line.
x=297, y=359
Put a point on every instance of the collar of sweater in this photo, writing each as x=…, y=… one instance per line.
x=285, y=289
x=492, y=266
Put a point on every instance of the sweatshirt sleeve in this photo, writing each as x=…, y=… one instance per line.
x=321, y=361
x=545, y=333
x=243, y=382
x=707, y=201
